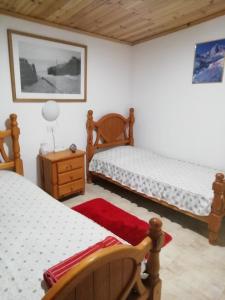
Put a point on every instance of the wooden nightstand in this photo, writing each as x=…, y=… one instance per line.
x=62, y=173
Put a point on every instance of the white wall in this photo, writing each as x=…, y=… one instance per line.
x=108, y=89
x=174, y=116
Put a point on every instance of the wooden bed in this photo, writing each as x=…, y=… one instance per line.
x=112, y=273
x=116, y=130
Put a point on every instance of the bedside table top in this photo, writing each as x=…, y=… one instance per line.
x=60, y=155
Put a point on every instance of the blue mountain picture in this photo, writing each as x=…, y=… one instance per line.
x=209, y=62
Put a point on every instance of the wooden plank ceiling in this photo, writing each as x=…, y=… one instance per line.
x=128, y=21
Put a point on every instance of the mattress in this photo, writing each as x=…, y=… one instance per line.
x=186, y=185
x=36, y=232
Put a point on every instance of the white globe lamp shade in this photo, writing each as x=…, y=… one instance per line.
x=50, y=110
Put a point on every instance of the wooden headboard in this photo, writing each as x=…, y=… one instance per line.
x=15, y=163
x=111, y=130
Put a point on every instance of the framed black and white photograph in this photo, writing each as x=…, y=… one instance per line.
x=44, y=68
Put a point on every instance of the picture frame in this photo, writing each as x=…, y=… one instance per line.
x=209, y=62
x=44, y=68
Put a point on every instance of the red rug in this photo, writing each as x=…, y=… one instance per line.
x=123, y=224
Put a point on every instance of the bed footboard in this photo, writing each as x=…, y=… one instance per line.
x=217, y=208
x=114, y=272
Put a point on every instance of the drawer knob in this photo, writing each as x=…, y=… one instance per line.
x=71, y=177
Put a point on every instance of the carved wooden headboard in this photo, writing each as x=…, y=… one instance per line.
x=15, y=163
x=111, y=130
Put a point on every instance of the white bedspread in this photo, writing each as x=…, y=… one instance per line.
x=185, y=185
x=36, y=232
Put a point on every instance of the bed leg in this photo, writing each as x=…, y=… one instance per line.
x=153, y=264
x=214, y=228
x=89, y=177
x=217, y=208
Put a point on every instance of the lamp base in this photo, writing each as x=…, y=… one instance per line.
x=59, y=148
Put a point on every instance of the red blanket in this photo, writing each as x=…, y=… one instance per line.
x=53, y=274
x=123, y=224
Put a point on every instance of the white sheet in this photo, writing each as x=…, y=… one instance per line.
x=185, y=185
x=36, y=232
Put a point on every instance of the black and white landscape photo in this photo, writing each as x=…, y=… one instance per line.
x=48, y=69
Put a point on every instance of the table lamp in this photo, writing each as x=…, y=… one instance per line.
x=50, y=112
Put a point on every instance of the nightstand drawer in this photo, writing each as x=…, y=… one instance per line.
x=70, y=164
x=70, y=188
x=70, y=176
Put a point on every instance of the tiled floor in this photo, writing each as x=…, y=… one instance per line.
x=191, y=268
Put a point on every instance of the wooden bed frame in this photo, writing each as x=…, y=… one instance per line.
x=112, y=273
x=15, y=163
x=115, y=130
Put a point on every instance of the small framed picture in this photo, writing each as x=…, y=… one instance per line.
x=209, y=62
x=44, y=68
